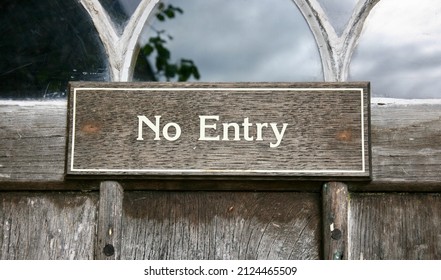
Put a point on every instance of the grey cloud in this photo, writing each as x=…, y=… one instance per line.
x=243, y=40
x=269, y=40
x=404, y=71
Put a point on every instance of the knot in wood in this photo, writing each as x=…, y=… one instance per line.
x=345, y=135
x=90, y=127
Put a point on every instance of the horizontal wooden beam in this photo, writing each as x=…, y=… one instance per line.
x=406, y=154
x=405, y=139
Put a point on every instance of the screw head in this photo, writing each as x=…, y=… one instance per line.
x=109, y=250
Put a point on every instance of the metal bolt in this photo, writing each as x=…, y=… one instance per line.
x=336, y=234
x=109, y=250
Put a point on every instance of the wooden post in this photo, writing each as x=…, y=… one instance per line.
x=108, y=245
x=335, y=221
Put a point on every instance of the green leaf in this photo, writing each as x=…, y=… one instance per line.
x=160, y=64
x=163, y=51
x=160, y=17
x=147, y=50
x=185, y=68
x=169, y=13
x=196, y=74
x=186, y=61
x=157, y=40
x=171, y=70
x=179, y=10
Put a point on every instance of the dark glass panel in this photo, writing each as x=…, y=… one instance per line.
x=45, y=44
x=120, y=11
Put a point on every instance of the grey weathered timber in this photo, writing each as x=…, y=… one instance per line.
x=335, y=199
x=406, y=157
x=405, y=146
x=221, y=225
x=395, y=226
x=32, y=141
x=313, y=130
x=405, y=150
x=108, y=244
x=47, y=225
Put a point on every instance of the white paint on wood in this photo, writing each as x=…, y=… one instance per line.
x=382, y=101
x=122, y=49
x=335, y=51
x=375, y=101
x=33, y=103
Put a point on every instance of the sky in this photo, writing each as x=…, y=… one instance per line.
x=244, y=40
x=269, y=41
x=338, y=12
x=400, y=49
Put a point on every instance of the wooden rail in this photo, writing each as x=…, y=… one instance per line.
x=406, y=151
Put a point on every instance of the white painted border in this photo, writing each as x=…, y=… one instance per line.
x=213, y=171
x=387, y=101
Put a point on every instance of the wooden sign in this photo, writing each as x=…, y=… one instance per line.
x=292, y=130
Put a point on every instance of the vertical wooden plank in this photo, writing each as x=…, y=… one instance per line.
x=395, y=226
x=335, y=221
x=161, y=225
x=47, y=225
x=108, y=246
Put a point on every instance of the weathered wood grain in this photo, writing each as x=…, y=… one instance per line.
x=324, y=134
x=221, y=225
x=48, y=226
x=406, y=147
x=335, y=199
x=395, y=226
x=108, y=245
x=405, y=150
x=32, y=141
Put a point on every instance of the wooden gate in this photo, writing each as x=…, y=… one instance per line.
x=395, y=216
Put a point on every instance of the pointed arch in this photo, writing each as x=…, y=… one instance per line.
x=121, y=50
x=335, y=51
